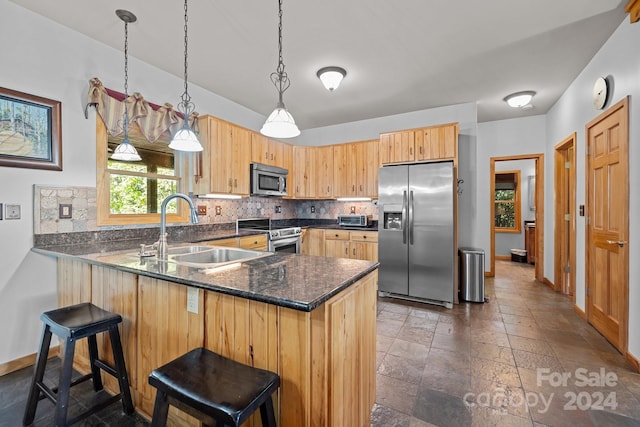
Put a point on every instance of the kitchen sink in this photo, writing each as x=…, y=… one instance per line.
x=211, y=256
x=183, y=250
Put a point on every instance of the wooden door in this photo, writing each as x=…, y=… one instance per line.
x=341, y=171
x=222, y=159
x=323, y=171
x=371, y=168
x=259, y=148
x=301, y=172
x=565, y=217
x=608, y=225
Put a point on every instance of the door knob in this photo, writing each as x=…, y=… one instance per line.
x=619, y=242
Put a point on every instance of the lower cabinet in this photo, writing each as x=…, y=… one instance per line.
x=351, y=244
x=312, y=242
x=326, y=358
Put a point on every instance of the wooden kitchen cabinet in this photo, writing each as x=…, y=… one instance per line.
x=322, y=172
x=223, y=166
x=312, y=242
x=355, y=169
x=429, y=143
x=270, y=152
x=397, y=147
x=351, y=244
x=256, y=242
x=437, y=142
x=302, y=171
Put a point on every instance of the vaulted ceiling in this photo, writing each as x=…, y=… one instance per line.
x=400, y=56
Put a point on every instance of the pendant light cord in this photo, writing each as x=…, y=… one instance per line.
x=125, y=124
x=186, y=106
x=279, y=78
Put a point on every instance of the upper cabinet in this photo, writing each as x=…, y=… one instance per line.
x=313, y=172
x=223, y=165
x=437, y=142
x=429, y=143
x=355, y=169
x=269, y=151
x=397, y=147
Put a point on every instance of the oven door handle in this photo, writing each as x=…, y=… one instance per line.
x=287, y=241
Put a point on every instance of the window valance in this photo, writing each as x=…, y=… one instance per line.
x=152, y=119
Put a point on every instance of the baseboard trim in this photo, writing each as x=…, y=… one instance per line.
x=23, y=362
x=503, y=257
x=580, y=311
x=549, y=283
x=633, y=361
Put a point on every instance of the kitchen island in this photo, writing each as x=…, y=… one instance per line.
x=310, y=319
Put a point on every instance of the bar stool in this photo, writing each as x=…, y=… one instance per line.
x=71, y=324
x=213, y=389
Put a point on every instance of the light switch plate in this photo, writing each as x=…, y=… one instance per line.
x=12, y=211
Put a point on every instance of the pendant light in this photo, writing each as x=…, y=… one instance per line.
x=280, y=123
x=185, y=139
x=125, y=151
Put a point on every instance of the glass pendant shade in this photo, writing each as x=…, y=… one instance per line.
x=125, y=151
x=185, y=140
x=280, y=124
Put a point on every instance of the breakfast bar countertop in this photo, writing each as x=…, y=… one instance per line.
x=300, y=282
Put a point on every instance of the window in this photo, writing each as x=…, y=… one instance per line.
x=132, y=192
x=506, y=201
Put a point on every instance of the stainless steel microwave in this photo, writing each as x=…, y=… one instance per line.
x=354, y=220
x=268, y=180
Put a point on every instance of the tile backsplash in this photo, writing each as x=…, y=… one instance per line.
x=47, y=201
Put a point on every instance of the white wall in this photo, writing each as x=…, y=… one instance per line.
x=498, y=139
x=619, y=59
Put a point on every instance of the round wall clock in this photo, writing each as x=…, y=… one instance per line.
x=600, y=90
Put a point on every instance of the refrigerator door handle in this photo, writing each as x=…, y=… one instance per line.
x=411, y=217
x=403, y=221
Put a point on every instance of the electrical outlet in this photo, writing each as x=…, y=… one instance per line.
x=65, y=211
x=192, y=300
x=278, y=209
x=218, y=210
x=202, y=209
x=313, y=209
x=353, y=209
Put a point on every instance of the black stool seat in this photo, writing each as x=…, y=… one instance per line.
x=70, y=324
x=220, y=390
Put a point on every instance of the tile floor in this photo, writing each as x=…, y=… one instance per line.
x=500, y=363
x=495, y=364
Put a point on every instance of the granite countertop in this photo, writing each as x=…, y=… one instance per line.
x=295, y=281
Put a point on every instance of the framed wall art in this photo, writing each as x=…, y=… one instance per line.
x=30, y=131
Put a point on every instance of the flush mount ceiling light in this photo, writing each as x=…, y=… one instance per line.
x=185, y=139
x=519, y=99
x=125, y=151
x=331, y=77
x=280, y=123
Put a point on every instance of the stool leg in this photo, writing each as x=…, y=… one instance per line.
x=160, y=410
x=93, y=356
x=38, y=375
x=267, y=414
x=64, y=384
x=121, y=369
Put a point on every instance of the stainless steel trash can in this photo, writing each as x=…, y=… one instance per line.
x=471, y=274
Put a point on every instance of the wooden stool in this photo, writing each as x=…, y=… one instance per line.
x=214, y=389
x=71, y=324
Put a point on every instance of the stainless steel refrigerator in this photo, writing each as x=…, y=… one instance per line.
x=416, y=247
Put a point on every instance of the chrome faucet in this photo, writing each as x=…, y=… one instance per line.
x=162, y=242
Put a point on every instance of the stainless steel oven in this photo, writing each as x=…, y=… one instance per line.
x=280, y=239
x=285, y=245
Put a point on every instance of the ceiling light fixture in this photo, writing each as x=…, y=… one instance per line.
x=125, y=151
x=185, y=139
x=280, y=123
x=331, y=77
x=519, y=99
